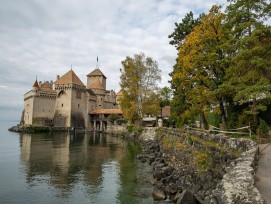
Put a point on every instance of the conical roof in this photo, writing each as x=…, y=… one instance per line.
x=96, y=72
x=119, y=93
x=36, y=84
x=69, y=78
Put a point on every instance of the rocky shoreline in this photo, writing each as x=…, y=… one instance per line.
x=28, y=129
x=198, y=168
x=166, y=178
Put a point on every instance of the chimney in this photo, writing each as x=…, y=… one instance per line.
x=57, y=77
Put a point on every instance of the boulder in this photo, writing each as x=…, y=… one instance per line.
x=158, y=194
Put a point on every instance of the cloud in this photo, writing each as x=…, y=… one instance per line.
x=44, y=38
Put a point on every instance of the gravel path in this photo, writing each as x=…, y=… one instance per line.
x=263, y=174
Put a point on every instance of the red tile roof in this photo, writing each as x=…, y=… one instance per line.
x=119, y=93
x=96, y=85
x=36, y=84
x=96, y=72
x=105, y=111
x=69, y=78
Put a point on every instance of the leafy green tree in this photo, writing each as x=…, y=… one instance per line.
x=181, y=30
x=184, y=28
x=201, y=64
x=139, y=82
x=165, y=95
x=151, y=105
x=249, y=73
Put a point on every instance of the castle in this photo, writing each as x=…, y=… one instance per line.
x=68, y=103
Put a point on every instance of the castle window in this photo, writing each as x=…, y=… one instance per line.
x=61, y=93
x=78, y=105
x=78, y=94
x=62, y=105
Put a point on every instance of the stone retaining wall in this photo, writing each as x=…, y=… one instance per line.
x=214, y=168
x=116, y=129
x=237, y=185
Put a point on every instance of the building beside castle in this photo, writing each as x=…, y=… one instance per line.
x=68, y=103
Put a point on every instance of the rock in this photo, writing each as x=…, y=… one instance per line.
x=177, y=196
x=158, y=194
x=186, y=197
x=150, y=180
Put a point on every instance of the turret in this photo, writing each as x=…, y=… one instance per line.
x=36, y=86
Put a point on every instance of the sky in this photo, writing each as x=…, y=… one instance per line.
x=45, y=38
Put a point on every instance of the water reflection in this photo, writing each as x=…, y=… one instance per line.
x=94, y=168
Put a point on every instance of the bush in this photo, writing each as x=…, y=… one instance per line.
x=231, y=121
x=121, y=121
x=263, y=128
x=134, y=128
x=113, y=117
x=213, y=119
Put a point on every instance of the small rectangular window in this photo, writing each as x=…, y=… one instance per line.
x=62, y=105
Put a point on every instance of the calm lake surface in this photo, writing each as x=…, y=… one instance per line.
x=62, y=168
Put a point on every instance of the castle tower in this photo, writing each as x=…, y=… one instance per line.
x=96, y=81
x=39, y=105
x=70, y=108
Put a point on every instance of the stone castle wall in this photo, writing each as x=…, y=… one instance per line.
x=62, y=112
x=43, y=111
x=28, y=111
x=78, y=109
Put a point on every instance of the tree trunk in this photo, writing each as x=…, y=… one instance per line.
x=203, y=120
x=223, y=114
x=255, y=119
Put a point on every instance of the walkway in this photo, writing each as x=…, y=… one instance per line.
x=263, y=174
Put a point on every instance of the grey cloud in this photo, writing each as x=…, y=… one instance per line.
x=45, y=38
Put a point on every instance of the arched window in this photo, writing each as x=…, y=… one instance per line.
x=61, y=93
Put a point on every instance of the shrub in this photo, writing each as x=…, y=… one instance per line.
x=113, y=117
x=214, y=119
x=263, y=128
x=134, y=128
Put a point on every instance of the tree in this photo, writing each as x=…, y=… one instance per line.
x=165, y=95
x=249, y=74
x=201, y=64
x=113, y=117
x=183, y=29
x=138, y=81
x=151, y=105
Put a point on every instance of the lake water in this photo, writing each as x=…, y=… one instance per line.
x=62, y=168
